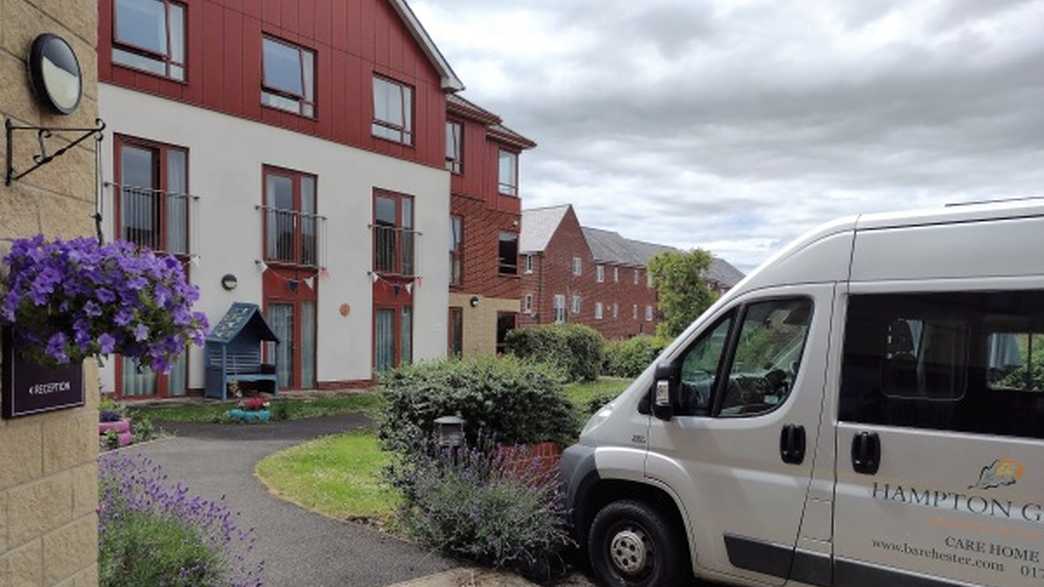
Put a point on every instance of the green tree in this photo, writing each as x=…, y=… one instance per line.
x=681, y=287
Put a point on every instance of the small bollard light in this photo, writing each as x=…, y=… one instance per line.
x=450, y=430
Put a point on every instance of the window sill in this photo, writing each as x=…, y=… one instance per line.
x=394, y=142
x=516, y=196
x=509, y=275
x=161, y=77
x=290, y=112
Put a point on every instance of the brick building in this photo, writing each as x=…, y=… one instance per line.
x=485, y=199
x=591, y=276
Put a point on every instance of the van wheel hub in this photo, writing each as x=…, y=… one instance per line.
x=629, y=550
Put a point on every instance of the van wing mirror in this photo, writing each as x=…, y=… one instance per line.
x=665, y=390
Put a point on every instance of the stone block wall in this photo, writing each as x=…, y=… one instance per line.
x=48, y=470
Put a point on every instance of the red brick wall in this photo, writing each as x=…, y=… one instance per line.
x=553, y=274
x=482, y=227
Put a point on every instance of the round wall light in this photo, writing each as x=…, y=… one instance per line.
x=54, y=73
x=229, y=282
x=474, y=301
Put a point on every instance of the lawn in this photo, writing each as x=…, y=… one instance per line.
x=583, y=392
x=297, y=408
x=337, y=476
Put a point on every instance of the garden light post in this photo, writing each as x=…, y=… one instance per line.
x=450, y=431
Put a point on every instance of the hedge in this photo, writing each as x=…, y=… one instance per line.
x=575, y=349
x=629, y=358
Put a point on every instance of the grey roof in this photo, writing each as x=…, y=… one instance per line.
x=538, y=226
x=610, y=247
x=724, y=273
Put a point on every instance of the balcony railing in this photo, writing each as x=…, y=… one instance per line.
x=158, y=220
x=293, y=237
x=394, y=250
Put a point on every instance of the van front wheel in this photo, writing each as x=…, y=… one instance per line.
x=633, y=545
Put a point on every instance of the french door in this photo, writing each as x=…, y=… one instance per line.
x=294, y=323
x=392, y=336
x=135, y=381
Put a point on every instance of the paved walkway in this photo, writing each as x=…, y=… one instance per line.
x=300, y=548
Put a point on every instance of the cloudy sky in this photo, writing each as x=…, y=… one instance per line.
x=735, y=125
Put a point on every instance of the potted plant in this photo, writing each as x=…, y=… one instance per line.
x=70, y=300
x=251, y=410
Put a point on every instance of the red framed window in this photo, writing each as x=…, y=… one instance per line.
x=392, y=110
x=507, y=253
x=393, y=234
x=456, y=249
x=149, y=35
x=288, y=77
x=454, y=147
x=290, y=224
x=152, y=201
x=507, y=169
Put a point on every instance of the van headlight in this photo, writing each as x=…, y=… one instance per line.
x=598, y=418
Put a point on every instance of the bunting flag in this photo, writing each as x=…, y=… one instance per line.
x=261, y=265
x=323, y=272
x=374, y=276
x=419, y=280
x=409, y=288
x=194, y=261
x=310, y=282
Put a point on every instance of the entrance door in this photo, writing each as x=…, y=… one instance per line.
x=392, y=337
x=750, y=400
x=941, y=435
x=281, y=318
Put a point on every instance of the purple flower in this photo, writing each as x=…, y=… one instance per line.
x=105, y=296
x=56, y=347
x=92, y=309
x=141, y=332
x=107, y=343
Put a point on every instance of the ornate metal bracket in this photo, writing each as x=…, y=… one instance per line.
x=42, y=134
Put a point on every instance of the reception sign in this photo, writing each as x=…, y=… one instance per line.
x=29, y=388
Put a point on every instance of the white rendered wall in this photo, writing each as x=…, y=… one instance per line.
x=226, y=155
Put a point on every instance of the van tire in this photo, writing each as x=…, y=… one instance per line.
x=616, y=528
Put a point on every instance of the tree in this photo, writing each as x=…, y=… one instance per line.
x=681, y=287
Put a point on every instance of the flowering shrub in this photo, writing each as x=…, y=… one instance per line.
x=478, y=503
x=155, y=533
x=254, y=404
x=69, y=300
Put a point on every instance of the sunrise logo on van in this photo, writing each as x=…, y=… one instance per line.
x=1001, y=473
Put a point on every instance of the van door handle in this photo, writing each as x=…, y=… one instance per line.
x=792, y=444
x=866, y=453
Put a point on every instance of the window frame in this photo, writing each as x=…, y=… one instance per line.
x=559, y=310
x=600, y=273
x=599, y=311
x=166, y=59
x=455, y=165
x=527, y=303
x=160, y=162
x=649, y=313
x=402, y=129
x=297, y=211
x=513, y=188
x=400, y=228
x=578, y=266
x=527, y=264
x=457, y=252
x=301, y=99
x=576, y=305
x=500, y=259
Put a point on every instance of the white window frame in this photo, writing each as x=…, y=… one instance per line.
x=577, y=305
x=527, y=304
x=616, y=275
x=648, y=280
x=616, y=311
x=578, y=266
x=636, y=272
x=559, y=306
x=634, y=311
x=599, y=310
x=600, y=273
x=528, y=263
x=648, y=313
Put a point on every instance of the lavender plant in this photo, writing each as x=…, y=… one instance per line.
x=153, y=532
x=69, y=300
x=481, y=502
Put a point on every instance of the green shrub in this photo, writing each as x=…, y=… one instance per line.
x=575, y=349
x=480, y=505
x=143, y=548
x=628, y=358
x=515, y=401
x=280, y=410
x=144, y=429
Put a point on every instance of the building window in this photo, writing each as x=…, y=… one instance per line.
x=600, y=273
x=616, y=310
x=528, y=263
x=634, y=312
x=648, y=313
x=636, y=276
x=507, y=257
x=454, y=146
x=456, y=240
x=505, y=324
x=149, y=35
x=598, y=310
x=508, y=173
x=290, y=221
x=527, y=303
x=393, y=234
x=648, y=279
x=578, y=268
x=576, y=305
x=153, y=206
x=560, y=309
x=288, y=80
x=392, y=110
x=456, y=331
x=616, y=275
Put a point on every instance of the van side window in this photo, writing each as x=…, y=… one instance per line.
x=699, y=370
x=768, y=354
x=964, y=362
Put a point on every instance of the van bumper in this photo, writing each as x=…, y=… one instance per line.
x=579, y=475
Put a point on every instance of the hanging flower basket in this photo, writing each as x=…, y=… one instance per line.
x=70, y=300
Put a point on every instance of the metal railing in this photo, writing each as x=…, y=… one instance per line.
x=394, y=250
x=155, y=219
x=293, y=237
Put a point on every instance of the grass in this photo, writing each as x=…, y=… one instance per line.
x=297, y=408
x=337, y=476
x=582, y=392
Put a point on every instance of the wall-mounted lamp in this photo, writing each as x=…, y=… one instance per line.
x=229, y=282
x=474, y=301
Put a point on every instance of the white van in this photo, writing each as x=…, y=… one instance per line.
x=864, y=410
